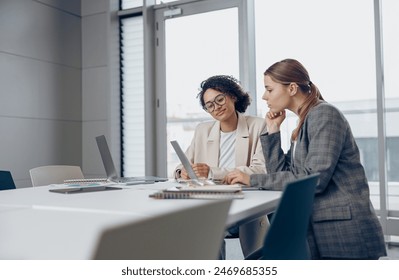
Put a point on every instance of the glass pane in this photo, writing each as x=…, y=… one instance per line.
x=197, y=47
x=129, y=4
x=339, y=54
x=390, y=24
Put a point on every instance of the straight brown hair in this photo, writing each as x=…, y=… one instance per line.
x=290, y=71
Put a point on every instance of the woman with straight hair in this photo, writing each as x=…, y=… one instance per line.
x=343, y=224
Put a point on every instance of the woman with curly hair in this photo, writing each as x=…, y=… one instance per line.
x=229, y=142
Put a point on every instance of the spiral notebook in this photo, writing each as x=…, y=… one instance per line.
x=201, y=192
x=196, y=195
x=86, y=181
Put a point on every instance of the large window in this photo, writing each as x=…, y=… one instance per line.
x=212, y=41
x=337, y=41
x=337, y=51
x=390, y=42
x=194, y=42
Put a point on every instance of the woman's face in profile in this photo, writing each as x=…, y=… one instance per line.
x=276, y=95
x=222, y=104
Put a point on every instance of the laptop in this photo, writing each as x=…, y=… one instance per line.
x=187, y=165
x=111, y=172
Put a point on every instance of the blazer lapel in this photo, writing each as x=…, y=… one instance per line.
x=213, y=144
x=242, y=141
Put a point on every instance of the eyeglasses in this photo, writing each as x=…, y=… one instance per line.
x=219, y=100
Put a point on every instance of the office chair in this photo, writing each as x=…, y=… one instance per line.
x=191, y=234
x=6, y=181
x=54, y=174
x=287, y=235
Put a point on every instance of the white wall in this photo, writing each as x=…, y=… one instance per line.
x=40, y=85
x=59, y=84
x=100, y=82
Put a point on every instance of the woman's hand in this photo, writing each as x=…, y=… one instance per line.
x=274, y=120
x=200, y=169
x=184, y=174
x=237, y=177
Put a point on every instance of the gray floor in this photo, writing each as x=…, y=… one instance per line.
x=233, y=250
x=393, y=251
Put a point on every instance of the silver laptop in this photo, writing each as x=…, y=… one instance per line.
x=187, y=165
x=110, y=170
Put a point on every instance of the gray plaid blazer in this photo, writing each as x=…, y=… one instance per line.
x=343, y=223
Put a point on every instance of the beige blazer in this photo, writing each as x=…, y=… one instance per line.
x=204, y=147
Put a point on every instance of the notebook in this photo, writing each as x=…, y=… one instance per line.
x=111, y=172
x=85, y=181
x=187, y=165
x=201, y=192
x=197, y=195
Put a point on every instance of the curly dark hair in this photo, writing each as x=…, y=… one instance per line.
x=228, y=85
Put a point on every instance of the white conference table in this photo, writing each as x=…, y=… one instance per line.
x=38, y=224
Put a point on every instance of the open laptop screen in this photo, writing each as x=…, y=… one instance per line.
x=110, y=169
x=106, y=157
